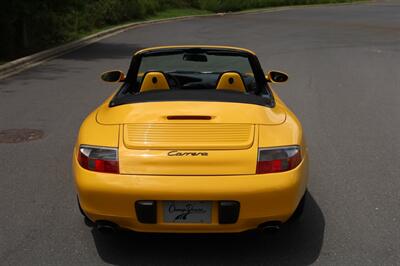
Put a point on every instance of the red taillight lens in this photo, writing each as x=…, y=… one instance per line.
x=99, y=159
x=278, y=159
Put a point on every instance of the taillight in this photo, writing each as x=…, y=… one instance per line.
x=99, y=159
x=279, y=159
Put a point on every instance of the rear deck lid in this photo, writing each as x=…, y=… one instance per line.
x=188, y=149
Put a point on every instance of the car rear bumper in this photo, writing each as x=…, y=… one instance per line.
x=262, y=198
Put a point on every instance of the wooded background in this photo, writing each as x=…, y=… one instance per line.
x=28, y=26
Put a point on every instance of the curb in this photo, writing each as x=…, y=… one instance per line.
x=24, y=63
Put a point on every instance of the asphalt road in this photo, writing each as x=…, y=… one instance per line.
x=344, y=64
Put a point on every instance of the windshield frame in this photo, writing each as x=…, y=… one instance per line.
x=130, y=85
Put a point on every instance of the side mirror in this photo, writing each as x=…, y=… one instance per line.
x=276, y=77
x=113, y=76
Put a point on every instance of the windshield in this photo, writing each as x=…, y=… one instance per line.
x=197, y=70
x=202, y=63
x=194, y=74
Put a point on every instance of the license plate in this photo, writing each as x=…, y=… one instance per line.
x=187, y=211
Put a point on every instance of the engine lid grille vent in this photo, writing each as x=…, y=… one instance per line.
x=188, y=136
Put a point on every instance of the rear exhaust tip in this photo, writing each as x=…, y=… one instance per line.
x=106, y=227
x=271, y=226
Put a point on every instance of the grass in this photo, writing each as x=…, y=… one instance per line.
x=178, y=12
x=240, y=5
x=311, y=3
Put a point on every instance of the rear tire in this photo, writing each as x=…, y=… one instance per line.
x=88, y=222
x=300, y=208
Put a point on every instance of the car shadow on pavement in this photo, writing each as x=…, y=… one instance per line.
x=298, y=243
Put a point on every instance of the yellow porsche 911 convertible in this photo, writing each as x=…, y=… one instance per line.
x=193, y=141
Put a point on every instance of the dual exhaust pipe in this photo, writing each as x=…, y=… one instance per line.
x=271, y=226
x=106, y=227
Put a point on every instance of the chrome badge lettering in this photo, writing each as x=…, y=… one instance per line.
x=190, y=153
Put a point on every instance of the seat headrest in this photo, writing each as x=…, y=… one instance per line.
x=231, y=81
x=154, y=81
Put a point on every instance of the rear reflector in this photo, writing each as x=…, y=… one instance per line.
x=228, y=212
x=146, y=211
x=99, y=159
x=278, y=159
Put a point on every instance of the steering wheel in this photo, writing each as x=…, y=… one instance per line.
x=173, y=81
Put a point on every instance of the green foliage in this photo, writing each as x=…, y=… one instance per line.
x=28, y=26
x=178, y=12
